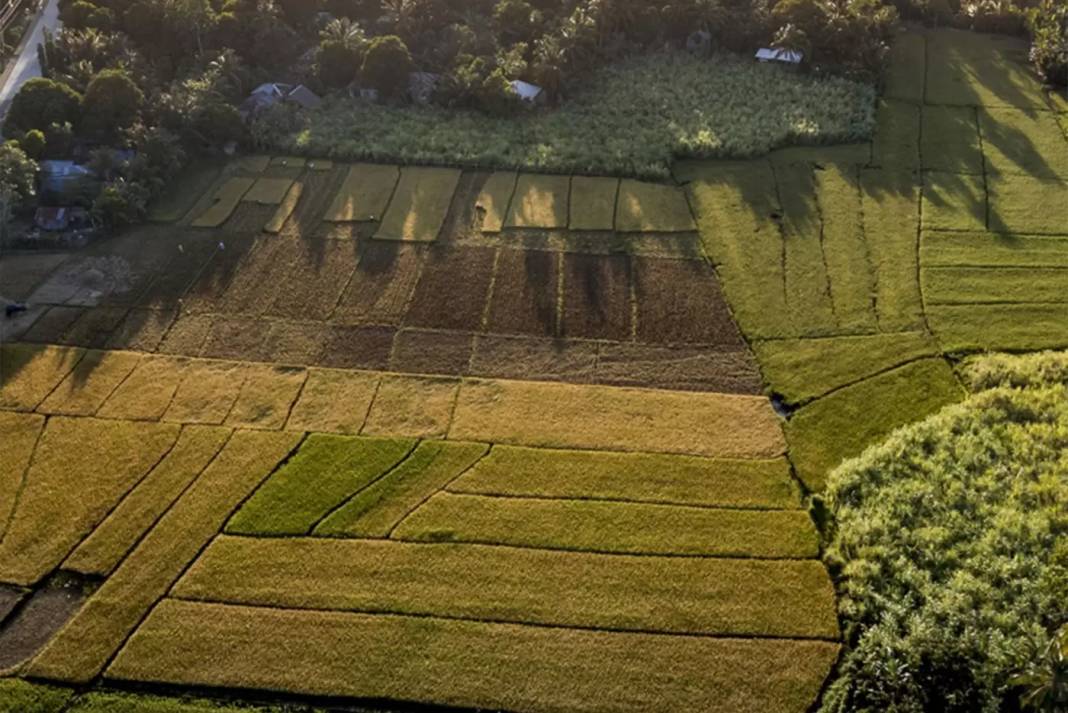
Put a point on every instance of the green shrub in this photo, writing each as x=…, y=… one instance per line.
x=386, y=65
x=33, y=142
x=1049, y=40
x=951, y=547
x=112, y=102
x=39, y=103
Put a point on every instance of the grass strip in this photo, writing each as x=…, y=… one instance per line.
x=605, y=417
x=951, y=141
x=1022, y=141
x=954, y=201
x=18, y=696
x=80, y=650
x=60, y=504
x=734, y=204
x=612, y=527
x=420, y=204
x=890, y=203
x=412, y=406
x=504, y=666
x=364, y=194
x=101, y=552
x=803, y=369
x=288, y=161
x=807, y=284
x=184, y=191
x=375, y=510
x=92, y=380
x=593, y=203
x=323, y=474
x=906, y=65
x=668, y=594
x=966, y=285
x=266, y=397
x=990, y=249
x=843, y=424
x=641, y=477
x=268, y=191
x=285, y=209
x=224, y=202
x=539, y=202
x=333, y=401
x=652, y=208
x=845, y=250
x=1022, y=204
x=1009, y=327
x=18, y=436
x=206, y=393
x=29, y=372
x=896, y=145
x=494, y=198
x=148, y=391
x=842, y=156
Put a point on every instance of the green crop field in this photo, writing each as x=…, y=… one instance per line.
x=367, y=434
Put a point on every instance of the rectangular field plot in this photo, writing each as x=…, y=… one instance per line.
x=504, y=666
x=905, y=67
x=412, y=406
x=333, y=401
x=890, y=203
x=597, y=297
x=844, y=423
x=896, y=145
x=184, y=191
x=102, y=551
x=735, y=204
x=612, y=527
x=711, y=596
x=1023, y=204
x=18, y=438
x=323, y=474
x=1024, y=142
x=537, y=359
x=28, y=373
x=652, y=208
x=266, y=396
x=317, y=273
x=951, y=140
x=268, y=191
x=453, y=288
x=525, y=293
x=364, y=194
x=990, y=249
x=376, y=510
x=845, y=248
x=148, y=391
x=679, y=301
x=801, y=369
x=633, y=477
x=419, y=205
x=206, y=393
x=89, y=640
x=1013, y=327
x=378, y=292
x=224, y=202
x=966, y=285
x=285, y=209
x=572, y=416
x=593, y=203
x=539, y=202
x=93, y=379
x=716, y=368
x=493, y=200
x=980, y=70
x=953, y=201
x=60, y=504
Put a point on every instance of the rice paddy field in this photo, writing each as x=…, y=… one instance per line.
x=366, y=436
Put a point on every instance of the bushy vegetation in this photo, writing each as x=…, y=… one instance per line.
x=633, y=117
x=950, y=548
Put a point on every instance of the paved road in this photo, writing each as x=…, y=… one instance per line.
x=25, y=65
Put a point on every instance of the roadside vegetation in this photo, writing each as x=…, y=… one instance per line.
x=949, y=542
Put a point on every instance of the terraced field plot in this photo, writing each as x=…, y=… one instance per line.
x=572, y=562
